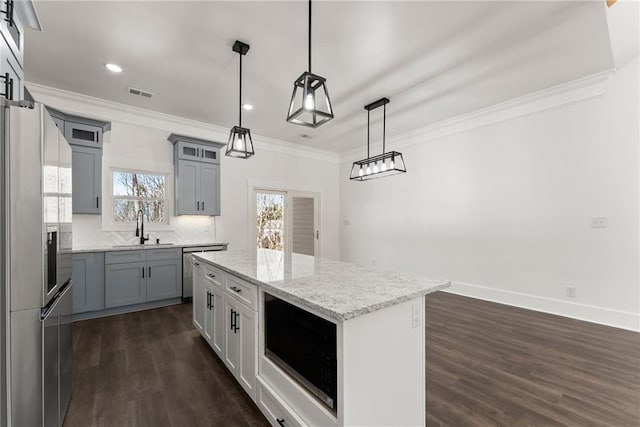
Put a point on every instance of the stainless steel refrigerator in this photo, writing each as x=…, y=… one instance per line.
x=36, y=201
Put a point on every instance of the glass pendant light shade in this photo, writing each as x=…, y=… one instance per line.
x=385, y=164
x=240, y=143
x=310, y=104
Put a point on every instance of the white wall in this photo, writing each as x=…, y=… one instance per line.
x=504, y=209
x=138, y=140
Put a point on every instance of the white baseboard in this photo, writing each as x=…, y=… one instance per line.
x=590, y=313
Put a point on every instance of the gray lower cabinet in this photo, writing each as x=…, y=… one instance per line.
x=88, y=282
x=134, y=277
x=164, y=279
x=125, y=284
x=87, y=180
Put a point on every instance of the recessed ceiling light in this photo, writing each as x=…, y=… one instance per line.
x=248, y=107
x=113, y=67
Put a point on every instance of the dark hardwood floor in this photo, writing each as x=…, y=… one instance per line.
x=491, y=364
x=487, y=364
x=152, y=368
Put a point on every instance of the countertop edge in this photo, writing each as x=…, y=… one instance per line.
x=145, y=248
x=322, y=310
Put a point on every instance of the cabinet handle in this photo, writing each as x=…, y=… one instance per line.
x=203, y=205
x=212, y=300
x=236, y=328
x=208, y=300
x=198, y=205
x=143, y=272
x=232, y=319
x=213, y=276
x=197, y=264
x=9, y=12
x=149, y=272
x=233, y=288
x=97, y=202
x=197, y=152
x=8, y=86
x=280, y=421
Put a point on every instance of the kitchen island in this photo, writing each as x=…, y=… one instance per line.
x=378, y=339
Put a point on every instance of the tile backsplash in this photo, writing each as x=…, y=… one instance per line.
x=88, y=233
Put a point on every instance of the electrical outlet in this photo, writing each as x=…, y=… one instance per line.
x=415, y=316
x=599, y=222
x=571, y=291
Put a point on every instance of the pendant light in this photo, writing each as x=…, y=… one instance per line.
x=310, y=104
x=385, y=164
x=240, y=143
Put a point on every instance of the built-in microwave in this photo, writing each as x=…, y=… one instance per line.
x=304, y=346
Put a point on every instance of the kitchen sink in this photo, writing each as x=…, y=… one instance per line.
x=148, y=245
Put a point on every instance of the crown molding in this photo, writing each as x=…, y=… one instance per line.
x=101, y=109
x=566, y=93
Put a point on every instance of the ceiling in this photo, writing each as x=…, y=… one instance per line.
x=434, y=60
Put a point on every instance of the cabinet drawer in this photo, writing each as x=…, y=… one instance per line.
x=214, y=276
x=125, y=256
x=243, y=291
x=164, y=254
x=276, y=411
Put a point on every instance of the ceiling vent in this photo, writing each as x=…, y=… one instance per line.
x=139, y=92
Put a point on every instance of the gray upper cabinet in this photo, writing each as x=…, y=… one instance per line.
x=88, y=282
x=188, y=188
x=83, y=134
x=210, y=188
x=85, y=137
x=87, y=180
x=197, y=174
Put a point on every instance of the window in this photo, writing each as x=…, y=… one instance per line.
x=270, y=220
x=134, y=191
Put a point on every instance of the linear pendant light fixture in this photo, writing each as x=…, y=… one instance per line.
x=240, y=143
x=385, y=164
x=310, y=104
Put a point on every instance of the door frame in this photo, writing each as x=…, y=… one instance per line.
x=254, y=188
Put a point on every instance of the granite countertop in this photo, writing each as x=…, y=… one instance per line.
x=168, y=245
x=336, y=289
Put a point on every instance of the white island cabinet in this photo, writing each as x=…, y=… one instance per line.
x=248, y=306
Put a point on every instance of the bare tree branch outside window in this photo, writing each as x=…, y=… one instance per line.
x=270, y=221
x=133, y=191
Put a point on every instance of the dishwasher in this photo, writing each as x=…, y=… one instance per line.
x=187, y=268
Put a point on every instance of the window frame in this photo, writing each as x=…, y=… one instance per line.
x=110, y=224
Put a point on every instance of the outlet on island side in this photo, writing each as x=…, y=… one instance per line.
x=571, y=291
x=415, y=315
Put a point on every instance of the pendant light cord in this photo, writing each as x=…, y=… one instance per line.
x=309, y=35
x=384, y=127
x=240, y=98
x=368, y=126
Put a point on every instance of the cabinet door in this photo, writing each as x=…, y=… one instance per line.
x=164, y=279
x=210, y=189
x=12, y=33
x=125, y=284
x=87, y=180
x=189, y=151
x=209, y=155
x=199, y=297
x=188, y=186
x=217, y=302
x=232, y=339
x=12, y=81
x=247, y=362
x=209, y=314
x=83, y=134
x=88, y=282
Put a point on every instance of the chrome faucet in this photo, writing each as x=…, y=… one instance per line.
x=140, y=231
